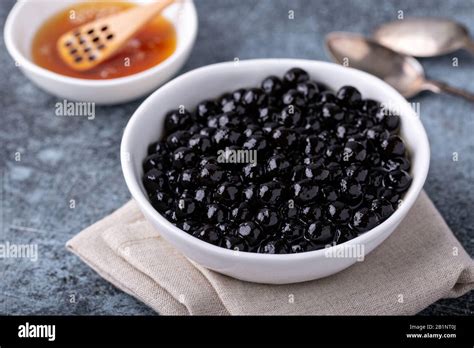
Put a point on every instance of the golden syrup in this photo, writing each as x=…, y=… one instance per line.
x=150, y=46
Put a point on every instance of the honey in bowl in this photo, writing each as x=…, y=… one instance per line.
x=155, y=42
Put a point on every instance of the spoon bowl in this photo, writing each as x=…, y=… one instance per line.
x=401, y=71
x=424, y=37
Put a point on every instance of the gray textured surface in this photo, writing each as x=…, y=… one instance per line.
x=63, y=159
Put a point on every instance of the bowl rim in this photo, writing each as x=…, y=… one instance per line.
x=28, y=64
x=408, y=200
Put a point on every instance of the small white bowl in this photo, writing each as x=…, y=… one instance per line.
x=27, y=16
x=146, y=126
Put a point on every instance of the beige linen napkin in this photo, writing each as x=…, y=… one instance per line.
x=418, y=264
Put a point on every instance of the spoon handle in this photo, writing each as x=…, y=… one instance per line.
x=439, y=87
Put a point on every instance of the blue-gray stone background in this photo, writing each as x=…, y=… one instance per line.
x=75, y=158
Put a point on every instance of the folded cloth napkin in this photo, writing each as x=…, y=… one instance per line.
x=418, y=264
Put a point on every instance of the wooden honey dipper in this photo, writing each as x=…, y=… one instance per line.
x=87, y=46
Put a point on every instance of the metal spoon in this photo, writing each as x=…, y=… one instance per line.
x=424, y=37
x=402, y=72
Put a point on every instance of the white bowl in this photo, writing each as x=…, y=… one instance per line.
x=27, y=16
x=146, y=126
